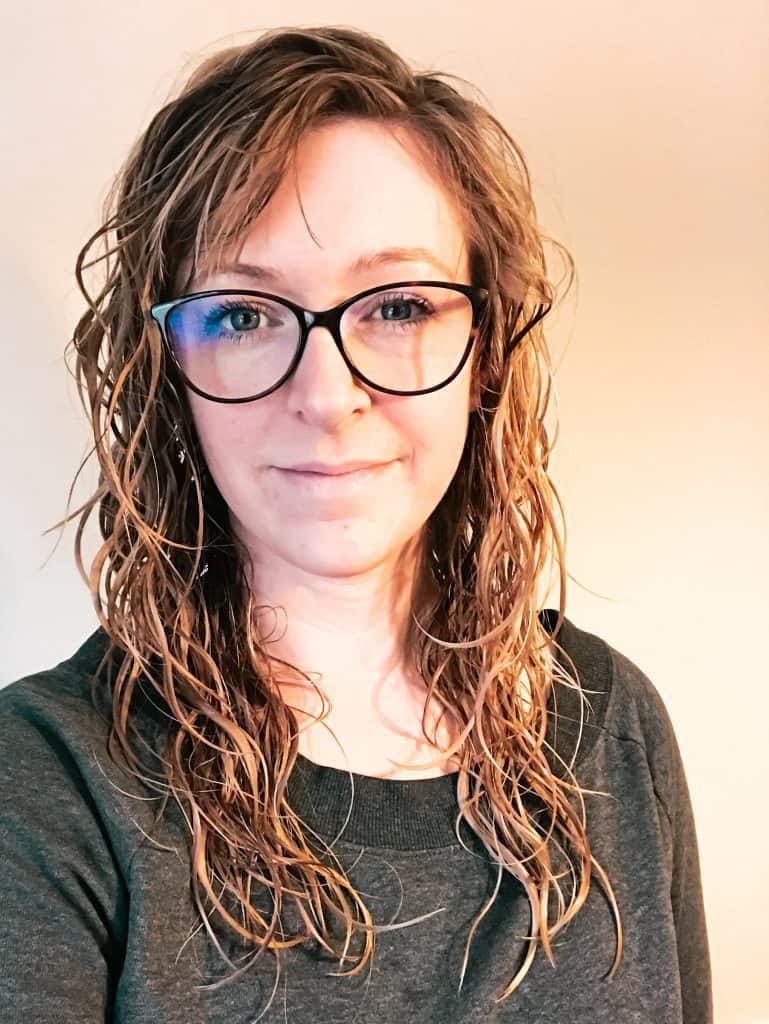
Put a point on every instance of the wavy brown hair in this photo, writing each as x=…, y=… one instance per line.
x=177, y=606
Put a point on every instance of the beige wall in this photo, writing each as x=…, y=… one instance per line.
x=647, y=131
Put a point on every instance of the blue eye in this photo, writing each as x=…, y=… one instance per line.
x=402, y=299
x=241, y=314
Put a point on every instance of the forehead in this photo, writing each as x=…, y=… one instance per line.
x=355, y=189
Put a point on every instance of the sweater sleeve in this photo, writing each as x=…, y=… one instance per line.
x=64, y=899
x=687, y=897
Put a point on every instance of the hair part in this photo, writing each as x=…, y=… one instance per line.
x=205, y=167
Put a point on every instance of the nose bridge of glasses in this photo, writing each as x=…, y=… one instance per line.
x=328, y=318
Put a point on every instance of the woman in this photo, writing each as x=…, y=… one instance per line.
x=314, y=371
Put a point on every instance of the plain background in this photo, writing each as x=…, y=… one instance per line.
x=646, y=129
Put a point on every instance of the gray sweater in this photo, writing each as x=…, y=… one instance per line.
x=96, y=921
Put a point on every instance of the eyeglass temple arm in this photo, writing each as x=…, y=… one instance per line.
x=541, y=311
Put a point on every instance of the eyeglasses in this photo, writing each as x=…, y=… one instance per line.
x=405, y=338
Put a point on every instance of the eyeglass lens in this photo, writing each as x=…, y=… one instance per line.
x=236, y=346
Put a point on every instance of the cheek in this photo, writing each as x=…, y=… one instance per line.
x=438, y=441
x=445, y=422
x=229, y=444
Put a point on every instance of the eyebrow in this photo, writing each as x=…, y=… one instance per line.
x=367, y=261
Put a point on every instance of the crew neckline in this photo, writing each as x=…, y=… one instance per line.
x=402, y=814
x=399, y=813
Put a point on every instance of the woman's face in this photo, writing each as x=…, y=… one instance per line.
x=361, y=193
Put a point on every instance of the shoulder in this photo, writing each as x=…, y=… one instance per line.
x=625, y=707
x=55, y=762
x=55, y=705
x=75, y=695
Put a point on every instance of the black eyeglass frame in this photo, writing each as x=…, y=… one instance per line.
x=329, y=318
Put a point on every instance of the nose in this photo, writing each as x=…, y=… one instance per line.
x=321, y=352
x=322, y=382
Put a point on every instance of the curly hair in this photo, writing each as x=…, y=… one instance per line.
x=177, y=606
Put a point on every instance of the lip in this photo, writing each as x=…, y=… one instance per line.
x=336, y=485
x=328, y=469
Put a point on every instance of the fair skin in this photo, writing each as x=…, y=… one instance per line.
x=342, y=567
